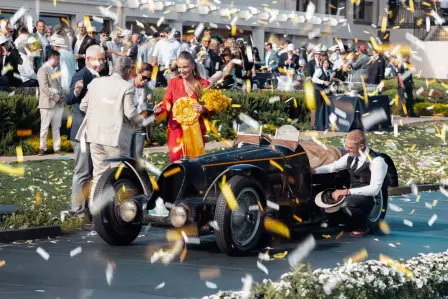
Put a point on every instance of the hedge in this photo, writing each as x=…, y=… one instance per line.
x=435, y=109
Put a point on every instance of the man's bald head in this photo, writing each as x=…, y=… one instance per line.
x=354, y=142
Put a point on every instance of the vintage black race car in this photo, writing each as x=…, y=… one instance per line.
x=259, y=171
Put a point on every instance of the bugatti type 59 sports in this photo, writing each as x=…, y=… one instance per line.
x=267, y=177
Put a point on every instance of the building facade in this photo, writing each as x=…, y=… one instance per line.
x=254, y=19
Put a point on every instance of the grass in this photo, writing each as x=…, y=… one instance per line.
x=423, y=163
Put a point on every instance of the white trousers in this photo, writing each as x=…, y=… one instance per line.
x=51, y=117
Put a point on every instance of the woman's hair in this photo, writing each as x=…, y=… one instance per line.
x=187, y=56
x=326, y=60
x=146, y=67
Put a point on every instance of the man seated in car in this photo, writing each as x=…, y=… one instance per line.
x=366, y=180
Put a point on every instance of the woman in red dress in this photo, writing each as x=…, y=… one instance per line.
x=186, y=85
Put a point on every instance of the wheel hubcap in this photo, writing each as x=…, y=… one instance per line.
x=244, y=222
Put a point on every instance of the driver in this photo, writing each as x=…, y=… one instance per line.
x=366, y=180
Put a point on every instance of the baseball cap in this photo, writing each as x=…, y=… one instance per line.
x=362, y=48
x=167, y=29
x=290, y=47
x=177, y=34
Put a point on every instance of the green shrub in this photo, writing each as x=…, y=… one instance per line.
x=421, y=109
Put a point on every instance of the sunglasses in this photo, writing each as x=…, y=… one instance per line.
x=145, y=78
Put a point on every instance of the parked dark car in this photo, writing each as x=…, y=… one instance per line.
x=258, y=170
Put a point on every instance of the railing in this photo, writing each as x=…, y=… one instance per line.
x=406, y=19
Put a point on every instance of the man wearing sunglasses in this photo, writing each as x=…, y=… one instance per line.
x=144, y=102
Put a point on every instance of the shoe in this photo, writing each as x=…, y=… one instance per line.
x=58, y=152
x=41, y=152
x=359, y=233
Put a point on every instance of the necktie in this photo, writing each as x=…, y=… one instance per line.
x=355, y=166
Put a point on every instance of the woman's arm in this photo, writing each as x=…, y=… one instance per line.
x=165, y=107
x=228, y=70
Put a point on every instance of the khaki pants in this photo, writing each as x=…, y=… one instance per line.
x=51, y=117
x=99, y=153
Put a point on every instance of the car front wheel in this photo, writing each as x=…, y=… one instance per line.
x=240, y=229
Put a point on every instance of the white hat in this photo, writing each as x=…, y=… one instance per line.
x=4, y=39
x=334, y=48
x=324, y=200
x=59, y=42
x=318, y=49
x=324, y=48
x=302, y=62
x=125, y=32
x=290, y=47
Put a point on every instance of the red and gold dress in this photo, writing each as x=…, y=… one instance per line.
x=175, y=91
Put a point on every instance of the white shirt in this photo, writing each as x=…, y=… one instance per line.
x=26, y=69
x=317, y=75
x=268, y=54
x=79, y=40
x=378, y=169
x=166, y=51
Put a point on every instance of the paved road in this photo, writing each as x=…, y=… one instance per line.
x=27, y=275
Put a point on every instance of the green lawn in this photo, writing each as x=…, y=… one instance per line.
x=425, y=163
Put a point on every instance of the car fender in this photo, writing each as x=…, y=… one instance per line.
x=243, y=170
x=137, y=168
x=391, y=170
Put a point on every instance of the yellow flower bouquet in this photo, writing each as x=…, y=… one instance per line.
x=183, y=111
x=214, y=100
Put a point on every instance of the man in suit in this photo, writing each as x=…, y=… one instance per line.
x=44, y=43
x=51, y=102
x=81, y=42
x=270, y=63
x=314, y=63
x=289, y=59
x=83, y=160
x=361, y=65
x=213, y=58
x=10, y=60
x=377, y=68
x=111, y=118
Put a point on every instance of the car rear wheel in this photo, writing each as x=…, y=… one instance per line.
x=240, y=230
x=109, y=194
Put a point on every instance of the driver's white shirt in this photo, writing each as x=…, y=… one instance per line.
x=378, y=169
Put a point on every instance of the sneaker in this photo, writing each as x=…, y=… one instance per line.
x=58, y=152
x=41, y=152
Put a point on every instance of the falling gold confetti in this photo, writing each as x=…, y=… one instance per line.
x=69, y=121
x=183, y=254
x=171, y=172
x=391, y=263
x=280, y=255
x=118, y=172
x=413, y=147
x=19, y=152
x=340, y=234
x=309, y=95
x=233, y=29
x=54, y=3
x=325, y=98
x=357, y=257
x=209, y=273
x=276, y=165
x=229, y=196
x=38, y=200
x=56, y=75
x=2, y=263
x=384, y=227
x=326, y=236
x=154, y=183
x=24, y=133
x=248, y=86
x=411, y=6
x=236, y=106
x=19, y=171
x=418, y=198
x=434, y=203
x=297, y=218
x=155, y=71
x=276, y=226
x=65, y=21
x=412, y=212
x=384, y=24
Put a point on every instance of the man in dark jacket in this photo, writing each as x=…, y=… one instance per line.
x=81, y=42
x=9, y=61
x=289, y=59
x=83, y=161
x=377, y=69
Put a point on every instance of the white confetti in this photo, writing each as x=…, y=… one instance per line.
x=109, y=273
x=432, y=220
x=274, y=99
x=214, y=225
x=392, y=245
x=395, y=208
x=262, y=267
x=254, y=208
x=199, y=29
x=139, y=24
x=159, y=286
x=331, y=285
x=153, y=29
x=213, y=25
x=374, y=117
x=249, y=120
x=17, y=16
x=98, y=19
x=428, y=205
x=263, y=256
x=407, y=222
x=247, y=285
x=420, y=91
x=395, y=130
x=444, y=192
x=414, y=189
x=75, y=251
x=302, y=251
x=160, y=21
x=273, y=205
x=340, y=112
x=210, y=285
x=45, y=255
x=40, y=291
x=151, y=167
x=310, y=9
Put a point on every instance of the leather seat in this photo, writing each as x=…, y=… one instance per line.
x=319, y=156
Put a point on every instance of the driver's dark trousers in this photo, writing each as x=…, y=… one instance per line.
x=359, y=206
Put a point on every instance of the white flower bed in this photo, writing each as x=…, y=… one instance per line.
x=425, y=276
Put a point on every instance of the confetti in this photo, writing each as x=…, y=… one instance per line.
x=45, y=255
x=160, y=21
x=19, y=152
x=277, y=227
x=297, y=218
x=209, y=273
x=272, y=162
x=171, y=172
x=159, y=286
x=428, y=205
x=24, y=133
x=210, y=285
x=2, y=263
x=339, y=235
x=154, y=183
x=19, y=171
x=302, y=251
x=183, y=254
x=109, y=273
x=37, y=198
x=432, y=220
x=247, y=285
x=214, y=225
x=118, y=172
x=264, y=256
x=199, y=29
x=280, y=255
x=395, y=208
x=357, y=257
x=273, y=205
x=407, y=222
x=396, y=265
x=392, y=245
x=384, y=227
x=262, y=267
x=75, y=251
x=229, y=196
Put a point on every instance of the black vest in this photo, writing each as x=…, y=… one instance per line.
x=322, y=77
x=361, y=176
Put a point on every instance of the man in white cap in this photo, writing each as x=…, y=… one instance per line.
x=315, y=62
x=67, y=63
x=366, y=180
x=289, y=59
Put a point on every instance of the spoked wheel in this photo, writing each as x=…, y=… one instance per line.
x=379, y=209
x=109, y=194
x=240, y=230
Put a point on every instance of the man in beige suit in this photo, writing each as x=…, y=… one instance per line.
x=111, y=117
x=51, y=102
